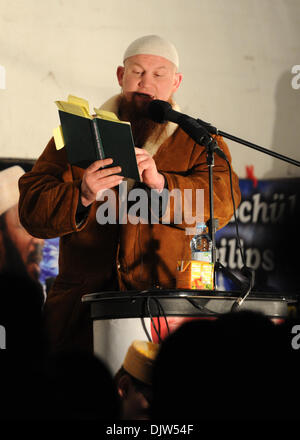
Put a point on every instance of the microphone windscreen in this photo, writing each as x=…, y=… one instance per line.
x=158, y=110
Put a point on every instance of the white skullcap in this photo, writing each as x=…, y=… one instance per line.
x=153, y=45
x=9, y=190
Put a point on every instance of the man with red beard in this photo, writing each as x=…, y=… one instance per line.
x=57, y=199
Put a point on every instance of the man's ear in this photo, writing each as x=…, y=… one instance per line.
x=177, y=81
x=123, y=386
x=120, y=74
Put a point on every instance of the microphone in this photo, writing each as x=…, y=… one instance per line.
x=162, y=111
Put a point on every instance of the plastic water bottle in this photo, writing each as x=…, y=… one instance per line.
x=201, y=244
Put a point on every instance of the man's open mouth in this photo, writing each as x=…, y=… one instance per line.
x=144, y=95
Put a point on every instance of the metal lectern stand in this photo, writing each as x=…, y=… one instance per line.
x=120, y=317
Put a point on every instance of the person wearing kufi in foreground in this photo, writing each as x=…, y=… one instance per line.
x=134, y=380
x=59, y=200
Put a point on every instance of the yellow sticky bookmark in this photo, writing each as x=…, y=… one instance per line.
x=72, y=108
x=108, y=116
x=79, y=101
x=58, y=138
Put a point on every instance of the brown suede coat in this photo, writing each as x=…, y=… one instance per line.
x=96, y=257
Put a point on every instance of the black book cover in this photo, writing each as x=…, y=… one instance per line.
x=87, y=140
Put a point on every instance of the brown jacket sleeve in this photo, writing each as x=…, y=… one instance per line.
x=49, y=195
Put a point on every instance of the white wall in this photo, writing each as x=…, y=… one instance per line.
x=236, y=57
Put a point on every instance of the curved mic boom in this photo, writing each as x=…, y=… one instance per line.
x=162, y=111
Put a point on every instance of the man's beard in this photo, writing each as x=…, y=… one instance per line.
x=136, y=112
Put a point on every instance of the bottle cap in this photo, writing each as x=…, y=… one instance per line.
x=201, y=225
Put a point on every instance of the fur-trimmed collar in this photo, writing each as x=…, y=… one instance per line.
x=112, y=105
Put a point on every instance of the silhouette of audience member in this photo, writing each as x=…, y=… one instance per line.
x=235, y=367
x=21, y=302
x=134, y=380
x=78, y=386
x=39, y=386
x=70, y=386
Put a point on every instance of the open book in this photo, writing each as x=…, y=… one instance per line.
x=88, y=138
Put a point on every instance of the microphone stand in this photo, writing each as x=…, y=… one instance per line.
x=213, y=130
x=211, y=147
x=202, y=137
x=212, y=223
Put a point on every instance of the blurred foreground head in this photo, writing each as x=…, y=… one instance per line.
x=235, y=367
x=134, y=380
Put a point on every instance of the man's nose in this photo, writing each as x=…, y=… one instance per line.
x=146, y=80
